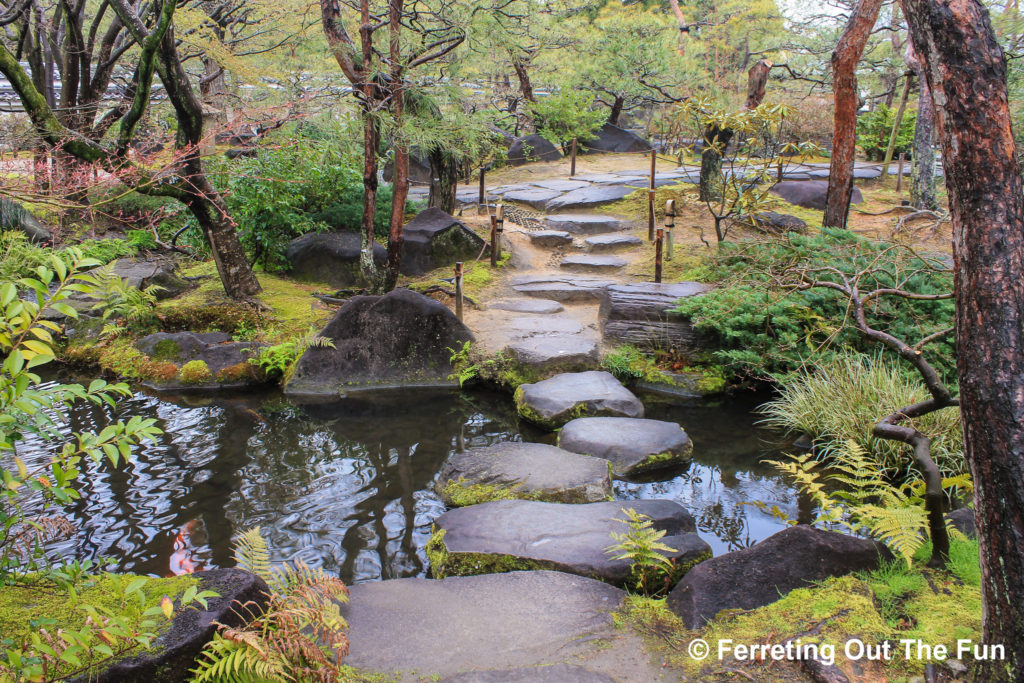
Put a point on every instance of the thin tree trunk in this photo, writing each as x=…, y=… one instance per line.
x=400, y=182
x=844, y=128
x=371, y=140
x=966, y=72
x=922, y=171
x=526, y=88
x=897, y=122
x=616, y=113
x=444, y=172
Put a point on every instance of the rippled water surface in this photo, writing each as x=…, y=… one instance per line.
x=347, y=486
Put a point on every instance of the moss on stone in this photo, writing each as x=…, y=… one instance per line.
x=660, y=461
x=444, y=563
x=239, y=372
x=460, y=493
x=195, y=372
x=166, y=350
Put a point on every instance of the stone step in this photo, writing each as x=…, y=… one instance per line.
x=611, y=242
x=534, y=306
x=585, y=224
x=550, y=238
x=529, y=471
x=585, y=197
x=536, y=198
x=593, y=263
x=640, y=314
x=564, y=288
x=564, y=397
x=509, y=535
x=543, y=356
x=633, y=446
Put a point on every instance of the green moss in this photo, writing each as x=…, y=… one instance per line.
x=444, y=563
x=195, y=372
x=462, y=494
x=120, y=357
x=166, y=350
x=660, y=461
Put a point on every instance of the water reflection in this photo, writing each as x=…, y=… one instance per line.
x=347, y=486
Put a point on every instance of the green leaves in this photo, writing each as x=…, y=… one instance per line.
x=641, y=545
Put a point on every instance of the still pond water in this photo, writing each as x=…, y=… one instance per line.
x=348, y=486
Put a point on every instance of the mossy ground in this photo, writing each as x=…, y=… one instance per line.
x=893, y=603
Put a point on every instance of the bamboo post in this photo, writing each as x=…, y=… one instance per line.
x=657, y=254
x=572, y=162
x=670, y=223
x=494, y=241
x=481, y=207
x=650, y=199
x=499, y=217
x=899, y=174
x=458, y=290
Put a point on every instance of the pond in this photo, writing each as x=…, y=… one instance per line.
x=348, y=486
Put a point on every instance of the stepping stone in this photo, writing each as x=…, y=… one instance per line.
x=633, y=446
x=593, y=263
x=561, y=185
x=511, y=535
x=536, y=198
x=809, y=194
x=424, y=627
x=658, y=182
x=608, y=178
x=556, y=673
x=528, y=471
x=527, y=326
x=585, y=224
x=590, y=196
x=559, y=399
x=787, y=175
x=819, y=173
x=866, y=173
x=612, y=242
x=565, y=288
x=895, y=170
x=640, y=314
x=550, y=238
x=559, y=353
x=511, y=188
x=536, y=306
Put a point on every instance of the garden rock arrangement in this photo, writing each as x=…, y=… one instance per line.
x=145, y=273
x=641, y=314
x=207, y=361
x=532, y=148
x=400, y=338
x=434, y=239
x=565, y=397
x=809, y=194
x=562, y=288
x=513, y=535
x=633, y=446
x=331, y=257
x=584, y=223
x=757, y=576
x=611, y=138
x=530, y=471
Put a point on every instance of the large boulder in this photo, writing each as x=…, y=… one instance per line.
x=419, y=169
x=400, y=338
x=330, y=257
x=200, y=361
x=559, y=399
x=434, y=239
x=514, y=535
x=641, y=314
x=14, y=216
x=611, y=138
x=633, y=446
x=144, y=273
x=757, y=576
x=530, y=471
x=532, y=148
x=809, y=194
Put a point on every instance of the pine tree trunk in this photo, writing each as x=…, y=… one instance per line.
x=966, y=72
x=444, y=180
x=616, y=113
x=844, y=128
x=922, y=170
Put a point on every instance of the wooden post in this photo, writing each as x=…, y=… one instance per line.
x=657, y=254
x=499, y=221
x=572, y=162
x=670, y=223
x=494, y=241
x=458, y=290
x=778, y=175
x=899, y=174
x=650, y=199
x=481, y=208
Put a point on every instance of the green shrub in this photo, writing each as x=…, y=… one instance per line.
x=875, y=127
x=19, y=258
x=568, y=115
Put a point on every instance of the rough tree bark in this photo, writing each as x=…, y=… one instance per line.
x=716, y=139
x=922, y=171
x=527, y=121
x=844, y=128
x=444, y=172
x=966, y=72
x=400, y=181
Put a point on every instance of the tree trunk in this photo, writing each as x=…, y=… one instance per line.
x=526, y=88
x=922, y=170
x=966, y=72
x=444, y=172
x=896, y=124
x=616, y=113
x=400, y=181
x=371, y=140
x=844, y=128
x=716, y=139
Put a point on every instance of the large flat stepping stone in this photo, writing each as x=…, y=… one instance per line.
x=559, y=399
x=424, y=627
x=535, y=306
x=585, y=224
x=640, y=314
x=593, y=263
x=610, y=178
x=556, y=673
x=866, y=173
x=536, y=198
x=611, y=242
x=556, y=353
x=561, y=185
x=528, y=471
x=527, y=326
x=564, y=288
x=550, y=238
x=595, y=195
x=509, y=535
x=633, y=446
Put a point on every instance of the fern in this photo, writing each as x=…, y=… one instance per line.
x=641, y=545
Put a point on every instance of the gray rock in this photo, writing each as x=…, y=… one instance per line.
x=658, y=182
x=424, y=627
x=611, y=138
x=778, y=223
x=567, y=288
x=612, y=178
x=536, y=197
x=143, y=273
x=434, y=239
x=585, y=224
x=594, y=195
x=593, y=263
x=527, y=326
x=419, y=168
x=632, y=446
x=506, y=535
x=227, y=361
x=558, y=353
x=611, y=242
x=559, y=399
x=532, y=148
x=535, y=306
x=556, y=673
x=550, y=238
x=795, y=175
x=640, y=314
x=530, y=471
x=757, y=576
x=866, y=173
x=330, y=257
x=809, y=194
x=14, y=216
x=401, y=338
x=963, y=519
x=817, y=173
x=560, y=185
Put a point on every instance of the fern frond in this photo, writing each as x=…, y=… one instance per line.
x=253, y=555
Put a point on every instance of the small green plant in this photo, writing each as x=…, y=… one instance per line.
x=300, y=636
x=465, y=368
x=195, y=372
x=630, y=363
x=641, y=545
x=142, y=239
x=280, y=359
x=122, y=304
